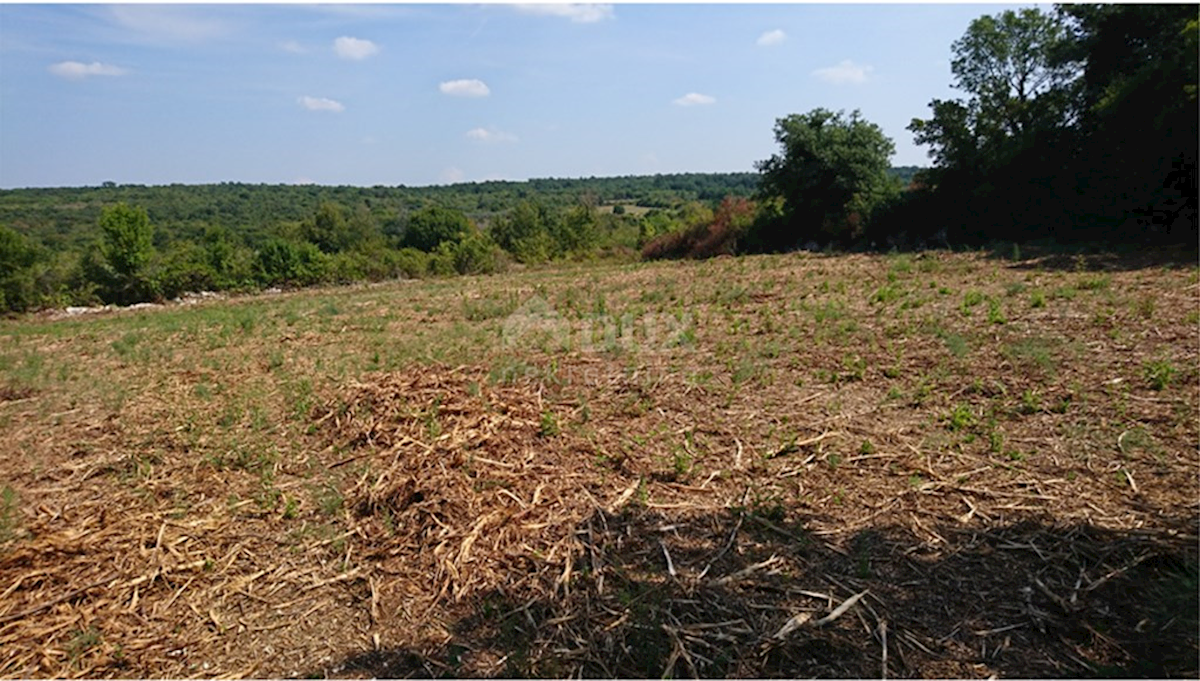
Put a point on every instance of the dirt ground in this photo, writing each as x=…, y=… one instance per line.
x=937, y=464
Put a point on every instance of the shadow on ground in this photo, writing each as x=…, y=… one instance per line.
x=705, y=595
x=1095, y=257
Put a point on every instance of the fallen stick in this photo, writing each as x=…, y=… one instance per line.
x=804, y=618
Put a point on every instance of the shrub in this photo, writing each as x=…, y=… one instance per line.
x=707, y=237
x=283, y=262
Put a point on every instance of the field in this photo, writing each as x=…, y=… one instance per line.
x=643, y=470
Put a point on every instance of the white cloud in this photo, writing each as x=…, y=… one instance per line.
x=490, y=135
x=77, y=70
x=577, y=13
x=846, y=71
x=452, y=175
x=354, y=48
x=694, y=99
x=168, y=24
x=771, y=38
x=465, y=88
x=293, y=47
x=321, y=104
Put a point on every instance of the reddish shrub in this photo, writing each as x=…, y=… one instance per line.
x=706, y=239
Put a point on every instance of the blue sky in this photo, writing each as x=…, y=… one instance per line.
x=428, y=94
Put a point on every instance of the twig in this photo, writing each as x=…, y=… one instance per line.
x=667, y=555
x=791, y=447
x=725, y=548
x=803, y=619
x=883, y=638
x=841, y=609
x=1129, y=477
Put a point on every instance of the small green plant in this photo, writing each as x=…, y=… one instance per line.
x=867, y=448
x=81, y=641
x=956, y=344
x=970, y=300
x=1037, y=299
x=960, y=417
x=9, y=519
x=329, y=500
x=1031, y=402
x=1159, y=373
x=1095, y=283
x=548, y=424
x=996, y=313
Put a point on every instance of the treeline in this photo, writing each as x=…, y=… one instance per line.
x=1076, y=124
x=66, y=217
x=127, y=244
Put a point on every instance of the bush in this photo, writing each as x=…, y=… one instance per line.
x=18, y=291
x=706, y=238
x=476, y=254
x=430, y=227
x=287, y=263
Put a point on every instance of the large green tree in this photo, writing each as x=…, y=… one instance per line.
x=1073, y=121
x=128, y=242
x=831, y=173
x=1137, y=135
x=431, y=226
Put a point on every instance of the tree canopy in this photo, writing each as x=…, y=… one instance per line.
x=831, y=173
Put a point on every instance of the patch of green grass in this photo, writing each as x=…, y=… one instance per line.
x=971, y=299
x=126, y=344
x=489, y=307
x=81, y=641
x=328, y=499
x=10, y=519
x=1031, y=402
x=1037, y=299
x=1145, y=306
x=548, y=424
x=960, y=418
x=996, y=313
x=956, y=344
x=1159, y=373
x=1064, y=293
x=888, y=293
x=1099, y=283
x=1032, y=351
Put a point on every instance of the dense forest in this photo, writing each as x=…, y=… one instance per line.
x=1076, y=123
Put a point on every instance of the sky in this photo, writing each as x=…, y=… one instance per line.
x=391, y=94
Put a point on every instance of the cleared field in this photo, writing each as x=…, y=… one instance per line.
x=669, y=469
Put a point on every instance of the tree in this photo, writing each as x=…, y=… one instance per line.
x=833, y=169
x=526, y=232
x=431, y=226
x=128, y=239
x=1138, y=129
x=17, y=258
x=999, y=155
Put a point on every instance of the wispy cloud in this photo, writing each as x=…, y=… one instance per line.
x=321, y=104
x=771, y=38
x=577, y=13
x=354, y=48
x=844, y=72
x=452, y=175
x=490, y=135
x=293, y=47
x=74, y=70
x=694, y=99
x=165, y=23
x=465, y=88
